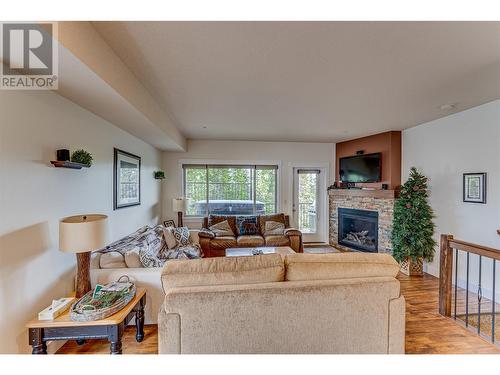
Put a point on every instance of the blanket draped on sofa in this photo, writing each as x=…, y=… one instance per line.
x=152, y=248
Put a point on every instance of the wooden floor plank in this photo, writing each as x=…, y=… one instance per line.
x=427, y=332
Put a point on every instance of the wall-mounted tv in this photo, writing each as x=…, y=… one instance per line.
x=361, y=168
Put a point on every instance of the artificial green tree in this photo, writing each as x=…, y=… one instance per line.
x=413, y=227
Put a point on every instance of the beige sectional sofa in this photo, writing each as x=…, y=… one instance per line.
x=298, y=303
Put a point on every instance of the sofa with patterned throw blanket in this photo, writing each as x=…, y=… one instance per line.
x=223, y=231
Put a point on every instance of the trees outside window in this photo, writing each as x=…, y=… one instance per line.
x=226, y=190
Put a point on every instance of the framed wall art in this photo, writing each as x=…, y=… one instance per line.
x=126, y=179
x=475, y=187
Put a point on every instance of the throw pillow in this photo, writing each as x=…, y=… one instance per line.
x=181, y=236
x=280, y=218
x=169, y=237
x=215, y=219
x=222, y=229
x=247, y=225
x=274, y=228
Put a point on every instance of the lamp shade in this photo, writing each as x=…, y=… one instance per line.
x=83, y=233
x=179, y=204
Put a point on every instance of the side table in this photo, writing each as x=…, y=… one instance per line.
x=111, y=328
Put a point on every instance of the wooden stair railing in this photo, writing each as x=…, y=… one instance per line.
x=449, y=246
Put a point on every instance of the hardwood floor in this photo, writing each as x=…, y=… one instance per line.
x=427, y=332
x=129, y=346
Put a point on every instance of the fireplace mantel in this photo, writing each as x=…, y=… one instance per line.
x=387, y=194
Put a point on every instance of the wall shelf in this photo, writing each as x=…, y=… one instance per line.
x=68, y=164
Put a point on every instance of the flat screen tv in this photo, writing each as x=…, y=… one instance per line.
x=361, y=168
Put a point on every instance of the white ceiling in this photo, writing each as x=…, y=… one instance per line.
x=308, y=81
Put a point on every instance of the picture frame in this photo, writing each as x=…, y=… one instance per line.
x=126, y=179
x=169, y=224
x=474, y=187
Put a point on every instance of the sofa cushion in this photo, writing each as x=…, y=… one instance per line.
x=112, y=259
x=339, y=266
x=214, y=219
x=222, y=229
x=280, y=218
x=277, y=240
x=250, y=241
x=247, y=225
x=223, y=242
x=132, y=259
x=223, y=271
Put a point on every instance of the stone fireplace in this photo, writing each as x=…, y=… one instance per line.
x=358, y=229
x=361, y=220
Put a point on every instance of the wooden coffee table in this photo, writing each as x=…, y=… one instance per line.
x=111, y=328
x=247, y=251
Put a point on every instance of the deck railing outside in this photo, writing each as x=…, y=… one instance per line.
x=307, y=217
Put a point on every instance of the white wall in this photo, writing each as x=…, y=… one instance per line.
x=35, y=195
x=443, y=150
x=287, y=153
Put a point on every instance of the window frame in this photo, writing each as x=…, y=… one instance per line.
x=228, y=164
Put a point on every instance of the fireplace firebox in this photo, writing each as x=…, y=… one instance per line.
x=358, y=229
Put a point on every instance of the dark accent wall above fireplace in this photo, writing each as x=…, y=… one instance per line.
x=388, y=143
x=358, y=229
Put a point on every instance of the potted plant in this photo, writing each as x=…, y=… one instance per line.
x=413, y=228
x=159, y=175
x=82, y=157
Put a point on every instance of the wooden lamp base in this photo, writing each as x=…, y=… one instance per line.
x=82, y=274
x=179, y=219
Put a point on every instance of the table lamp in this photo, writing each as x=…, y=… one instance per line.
x=179, y=206
x=82, y=234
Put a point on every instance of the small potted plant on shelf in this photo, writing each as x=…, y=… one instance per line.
x=413, y=228
x=159, y=175
x=82, y=157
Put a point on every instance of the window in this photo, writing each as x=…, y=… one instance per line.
x=230, y=189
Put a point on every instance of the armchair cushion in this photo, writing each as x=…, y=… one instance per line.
x=222, y=243
x=277, y=240
x=250, y=241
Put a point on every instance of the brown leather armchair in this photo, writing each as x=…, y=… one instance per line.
x=214, y=246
